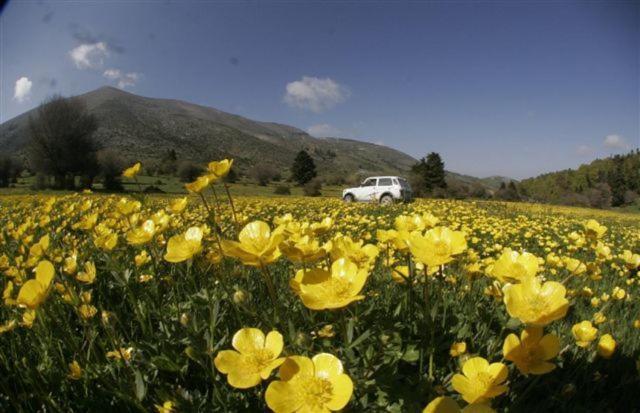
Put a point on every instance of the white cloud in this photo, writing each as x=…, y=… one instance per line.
x=112, y=73
x=89, y=56
x=584, y=150
x=124, y=79
x=615, y=141
x=323, y=130
x=22, y=89
x=315, y=94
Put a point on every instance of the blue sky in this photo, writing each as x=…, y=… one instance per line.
x=498, y=88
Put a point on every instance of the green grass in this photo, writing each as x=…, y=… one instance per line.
x=172, y=185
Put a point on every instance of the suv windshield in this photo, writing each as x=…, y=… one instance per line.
x=369, y=182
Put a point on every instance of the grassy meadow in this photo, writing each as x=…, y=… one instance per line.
x=195, y=303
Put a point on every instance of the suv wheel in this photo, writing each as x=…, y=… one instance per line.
x=386, y=200
x=348, y=198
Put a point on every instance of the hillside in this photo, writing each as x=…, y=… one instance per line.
x=604, y=182
x=146, y=128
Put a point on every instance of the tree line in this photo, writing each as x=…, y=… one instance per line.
x=613, y=181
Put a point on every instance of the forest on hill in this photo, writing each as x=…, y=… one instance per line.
x=613, y=181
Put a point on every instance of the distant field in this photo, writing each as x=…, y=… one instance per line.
x=171, y=185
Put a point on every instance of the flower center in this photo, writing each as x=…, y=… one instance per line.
x=259, y=359
x=339, y=287
x=317, y=392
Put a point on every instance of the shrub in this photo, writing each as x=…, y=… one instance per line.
x=282, y=190
x=262, y=174
x=111, y=166
x=312, y=188
x=189, y=171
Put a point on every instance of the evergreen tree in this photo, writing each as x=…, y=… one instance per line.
x=430, y=173
x=434, y=172
x=617, y=182
x=303, y=169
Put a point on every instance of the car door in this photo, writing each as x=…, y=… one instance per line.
x=367, y=190
x=384, y=185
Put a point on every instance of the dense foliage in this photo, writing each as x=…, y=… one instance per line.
x=303, y=169
x=602, y=183
x=209, y=303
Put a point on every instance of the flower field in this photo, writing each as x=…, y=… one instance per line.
x=216, y=303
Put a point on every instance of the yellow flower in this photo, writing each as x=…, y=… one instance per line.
x=105, y=240
x=363, y=255
x=593, y=229
x=167, y=407
x=535, y=303
x=619, y=293
x=254, y=360
x=75, y=371
x=584, y=333
x=178, y=205
x=88, y=276
x=127, y=206
x=220, y=169
x=574, y=266
x=258, y=245
x=445, y=404
x=70, y=264
x=481, y=381
x=458, y=349
x=599, y=318
x=326, y=331
x=87, y=311
x=513, y=266
x=35, y=291
x=532, y=351
x=142, y=234
x=7, y=294
x=606, y=346
x=437, y=246
x=8, y=326
x=320, y=289
x=198, y=185
x=184, y=246
x=142, y=258
x=310, y=385
x=121, y=354
x=301, y=249
x=28, y=317
x=132, y=171
x=631, y=261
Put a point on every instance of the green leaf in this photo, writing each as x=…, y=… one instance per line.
x=164, y=363
x=141, y=388
x=360, y=339
x=513, y=323
x=411, y=354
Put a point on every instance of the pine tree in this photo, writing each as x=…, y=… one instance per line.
x=303, y=169
x=434, y=172
x=617, y=182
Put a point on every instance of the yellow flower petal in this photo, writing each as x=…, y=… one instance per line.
x=247, y=340
x=342, y=389
x=327, y=365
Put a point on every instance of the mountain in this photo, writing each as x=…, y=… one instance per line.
x=146, y=128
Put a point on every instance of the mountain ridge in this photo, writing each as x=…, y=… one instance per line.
x=148, y=127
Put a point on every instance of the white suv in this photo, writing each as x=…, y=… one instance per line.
x=383, y=189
